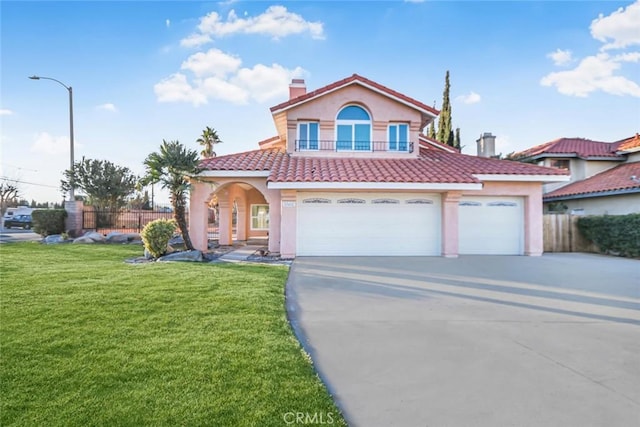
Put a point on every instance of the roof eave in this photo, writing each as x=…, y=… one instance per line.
x=439, y=186
x=623, y=191
x=522, y=177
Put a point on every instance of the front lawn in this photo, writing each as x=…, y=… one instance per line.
x=86, y=339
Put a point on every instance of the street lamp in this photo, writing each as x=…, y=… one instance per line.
x=70, y=90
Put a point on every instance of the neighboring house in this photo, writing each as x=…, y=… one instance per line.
x=350, y=173
x=605, y=176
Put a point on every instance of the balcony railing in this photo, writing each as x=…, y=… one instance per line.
x=354, y=146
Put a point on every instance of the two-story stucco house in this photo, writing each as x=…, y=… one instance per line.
x=350, y=173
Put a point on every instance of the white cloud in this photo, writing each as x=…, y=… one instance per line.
x=5, y=112
x=195, y=40
x=167, y=23
x=620, y=29
x=264, y=82
x=45, y=143
x=276, y=22
x=175, y=88
x=217, y=88
x=602, y=71
x=107, y=107
x=214, y=62
x=561, y=57
x=592, y=74
x=471, y=98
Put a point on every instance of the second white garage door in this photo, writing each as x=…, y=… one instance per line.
x=491, y=226
x=368, y=224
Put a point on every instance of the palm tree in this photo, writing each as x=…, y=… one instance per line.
x=208, y=140
x=171, y=167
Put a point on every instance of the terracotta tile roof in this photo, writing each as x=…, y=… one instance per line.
x=269, y=141
x=487, y=166
x=629, y=144
x=578, y=147
x=349, y=80
x=615, y=179
x=433, y=166
x=255, y=160
x=430, y=144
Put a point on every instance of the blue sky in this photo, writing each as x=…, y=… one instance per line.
x=144, y=71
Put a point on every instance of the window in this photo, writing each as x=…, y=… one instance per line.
x=308, y=136
x=259, y=217
x=560, y=164
x=398, y=137
x=353, y=129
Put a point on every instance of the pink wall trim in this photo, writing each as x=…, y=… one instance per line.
x=450, y=202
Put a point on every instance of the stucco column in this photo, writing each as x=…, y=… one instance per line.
x=241, y=221
x=225, y=223
x=198, y=215
x=288, y=224
x=533, y=223
x=275, y=220
x=450, y=202
x=73, y=223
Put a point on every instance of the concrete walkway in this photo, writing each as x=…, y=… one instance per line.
x=241, y=254
x=474, y=341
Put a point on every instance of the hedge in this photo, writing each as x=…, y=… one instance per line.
x=49, y=221
x=615, y=234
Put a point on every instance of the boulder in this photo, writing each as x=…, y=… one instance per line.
x=54, y=238
x=93, y=235
x=84, y=239
x=148, y=255
x=116, y=237
x=176, y=241
x=192, y=256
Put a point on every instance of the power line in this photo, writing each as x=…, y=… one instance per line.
x=19, y=167
x=27, y=182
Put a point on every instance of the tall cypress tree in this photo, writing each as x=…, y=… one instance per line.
x=432, y=130
x=456, y=141
x=445, y=131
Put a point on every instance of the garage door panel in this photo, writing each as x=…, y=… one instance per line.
x=384, y=225
x=491, y=225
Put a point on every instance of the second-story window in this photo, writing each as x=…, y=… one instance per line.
x=353, y=129
x=308, y=136
x=398, y=137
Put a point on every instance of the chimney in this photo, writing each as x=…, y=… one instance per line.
x=486, y=145
x=297, y=88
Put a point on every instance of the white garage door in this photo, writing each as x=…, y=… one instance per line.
x=368, y=224
x=491, y=225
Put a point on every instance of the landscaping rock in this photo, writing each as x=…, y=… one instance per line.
x=192, y=256
x=84, y=239
x=93, y=235
x=116, y=237
x=53, y=239
x=148, y=255
x=176, y=241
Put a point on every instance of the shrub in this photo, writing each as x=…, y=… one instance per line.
x=619, y=234
x=49, y=221
x=156, y=235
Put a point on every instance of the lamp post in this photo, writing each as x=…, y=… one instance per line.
x=70, y=90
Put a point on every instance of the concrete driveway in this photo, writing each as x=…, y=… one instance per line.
x=474, y=341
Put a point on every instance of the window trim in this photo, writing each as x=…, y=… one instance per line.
x=255, y=216
x=308, y=140
x=398, y=142
x=352, y=123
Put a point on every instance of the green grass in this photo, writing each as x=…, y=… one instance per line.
x=87, y=340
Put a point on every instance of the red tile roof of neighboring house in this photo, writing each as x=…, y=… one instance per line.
x=579, y=147
x=433, y=166
x=629, y=144
x=349, y=80
x=430, y=144
x=611, y=180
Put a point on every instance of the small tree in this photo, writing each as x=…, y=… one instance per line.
x=156, y=235
x=170, y=167
x=9, y=192
x=208, y=140
x=445, y=134
x=106, y=185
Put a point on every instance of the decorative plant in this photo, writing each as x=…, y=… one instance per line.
x=156, y=235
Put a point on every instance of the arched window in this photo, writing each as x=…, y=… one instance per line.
x=353, y=129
